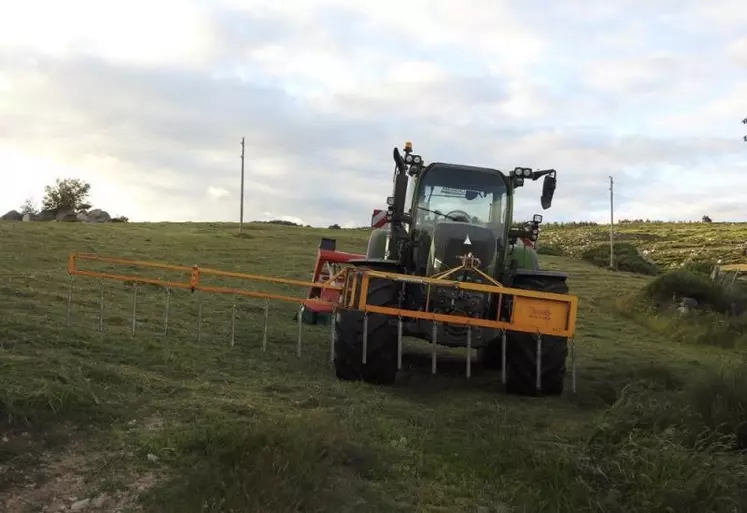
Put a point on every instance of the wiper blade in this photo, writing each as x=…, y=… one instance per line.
x=438, y=213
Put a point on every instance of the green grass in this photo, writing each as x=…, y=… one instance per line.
x=655, y=425
x=669, y=245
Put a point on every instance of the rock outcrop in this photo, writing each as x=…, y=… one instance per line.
x=13, y=215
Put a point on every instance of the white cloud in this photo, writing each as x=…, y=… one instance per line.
x=217, y=193
x=149, y=102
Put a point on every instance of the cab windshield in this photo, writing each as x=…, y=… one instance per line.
x=463, y=195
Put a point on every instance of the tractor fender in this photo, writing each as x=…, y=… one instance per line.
x=523, y=256
x=377, y=244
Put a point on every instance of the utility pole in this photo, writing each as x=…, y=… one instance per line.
x=612, y=222
x=744, y=122
x=241, y=208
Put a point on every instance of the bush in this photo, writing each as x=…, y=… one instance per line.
x=550, y=250
x=710, y=323
x=703, y=268
x=68, y=194
x=683, y=283
x=626, y=258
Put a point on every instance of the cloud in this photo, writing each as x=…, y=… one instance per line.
x=149, y=103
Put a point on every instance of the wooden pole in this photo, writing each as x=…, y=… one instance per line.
x=612, y=223
x=241, y=207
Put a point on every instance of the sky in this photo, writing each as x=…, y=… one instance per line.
x=148, y=102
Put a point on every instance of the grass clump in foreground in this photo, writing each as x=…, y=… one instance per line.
x=233, y=428
x=683, y=451
x=656, y=305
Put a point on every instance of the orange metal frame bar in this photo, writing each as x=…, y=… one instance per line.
x=195, y=273
x=533, y=312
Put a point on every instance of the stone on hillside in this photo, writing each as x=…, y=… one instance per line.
x=99, y=216
x=45, y=215
x=644, y=256
x=82, y=217
x=66, y=215
x=13, y=215
x=27, y=218
x=687, y=304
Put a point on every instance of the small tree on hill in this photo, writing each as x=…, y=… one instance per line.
x=29, y=207
x=68, y=194
x=707, y=219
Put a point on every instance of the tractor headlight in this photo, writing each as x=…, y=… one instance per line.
x=518, y=181
x=417, y=160
x=523, y=172
x=390, y=201
x=537, y=218
x=408, y=158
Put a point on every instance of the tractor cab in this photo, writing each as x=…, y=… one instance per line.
x=456, y=210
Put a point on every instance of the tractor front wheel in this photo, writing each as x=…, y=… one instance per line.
x=521, y=352
x=381, y=342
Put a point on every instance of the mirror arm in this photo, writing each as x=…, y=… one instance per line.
x=536, y=175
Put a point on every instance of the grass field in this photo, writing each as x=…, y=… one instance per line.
x=170, y=423
x=667, y=244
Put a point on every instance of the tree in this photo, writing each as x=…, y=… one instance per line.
x=707, y=219
x=29, y=207
x=68, y=194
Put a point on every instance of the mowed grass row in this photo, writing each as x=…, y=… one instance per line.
x=234, y=428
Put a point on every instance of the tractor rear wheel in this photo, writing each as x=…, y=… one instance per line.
x=490, y=355
x=521, y=351
x=381, y=355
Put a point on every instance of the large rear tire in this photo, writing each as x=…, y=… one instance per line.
x=521, y=351
x=490, y=355
x=381, y=355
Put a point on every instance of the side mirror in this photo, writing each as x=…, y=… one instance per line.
x=398, y=160
x=548, y=189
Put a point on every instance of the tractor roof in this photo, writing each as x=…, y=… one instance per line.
x=464, y=167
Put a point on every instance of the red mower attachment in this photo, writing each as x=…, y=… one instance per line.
x=329, y=268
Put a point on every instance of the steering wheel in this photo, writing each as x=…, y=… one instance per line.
x=459, y=215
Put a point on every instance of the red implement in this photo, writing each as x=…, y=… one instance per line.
x=329, y=263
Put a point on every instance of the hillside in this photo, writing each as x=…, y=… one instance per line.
x=667, y=244
x=170, y=423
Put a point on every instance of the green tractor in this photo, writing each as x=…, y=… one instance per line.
x=439, y=213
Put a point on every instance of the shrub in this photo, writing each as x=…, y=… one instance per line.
x=683, y=283
x=550, y=249
x=626, y=258
x=68, y=194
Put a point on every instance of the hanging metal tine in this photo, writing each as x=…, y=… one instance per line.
x=101, y=305
x=503, y=356
x=434, y=340
x=365, y=338
x=233, y=320
x=399, y=343
x=166, y=311
x=199, y=320
x=69, y=301
x=332, y=336
x=264, y=331
x=573, y=365
x=539, y=361
x=300, y=330
x=134, y=307
x=469, y=351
